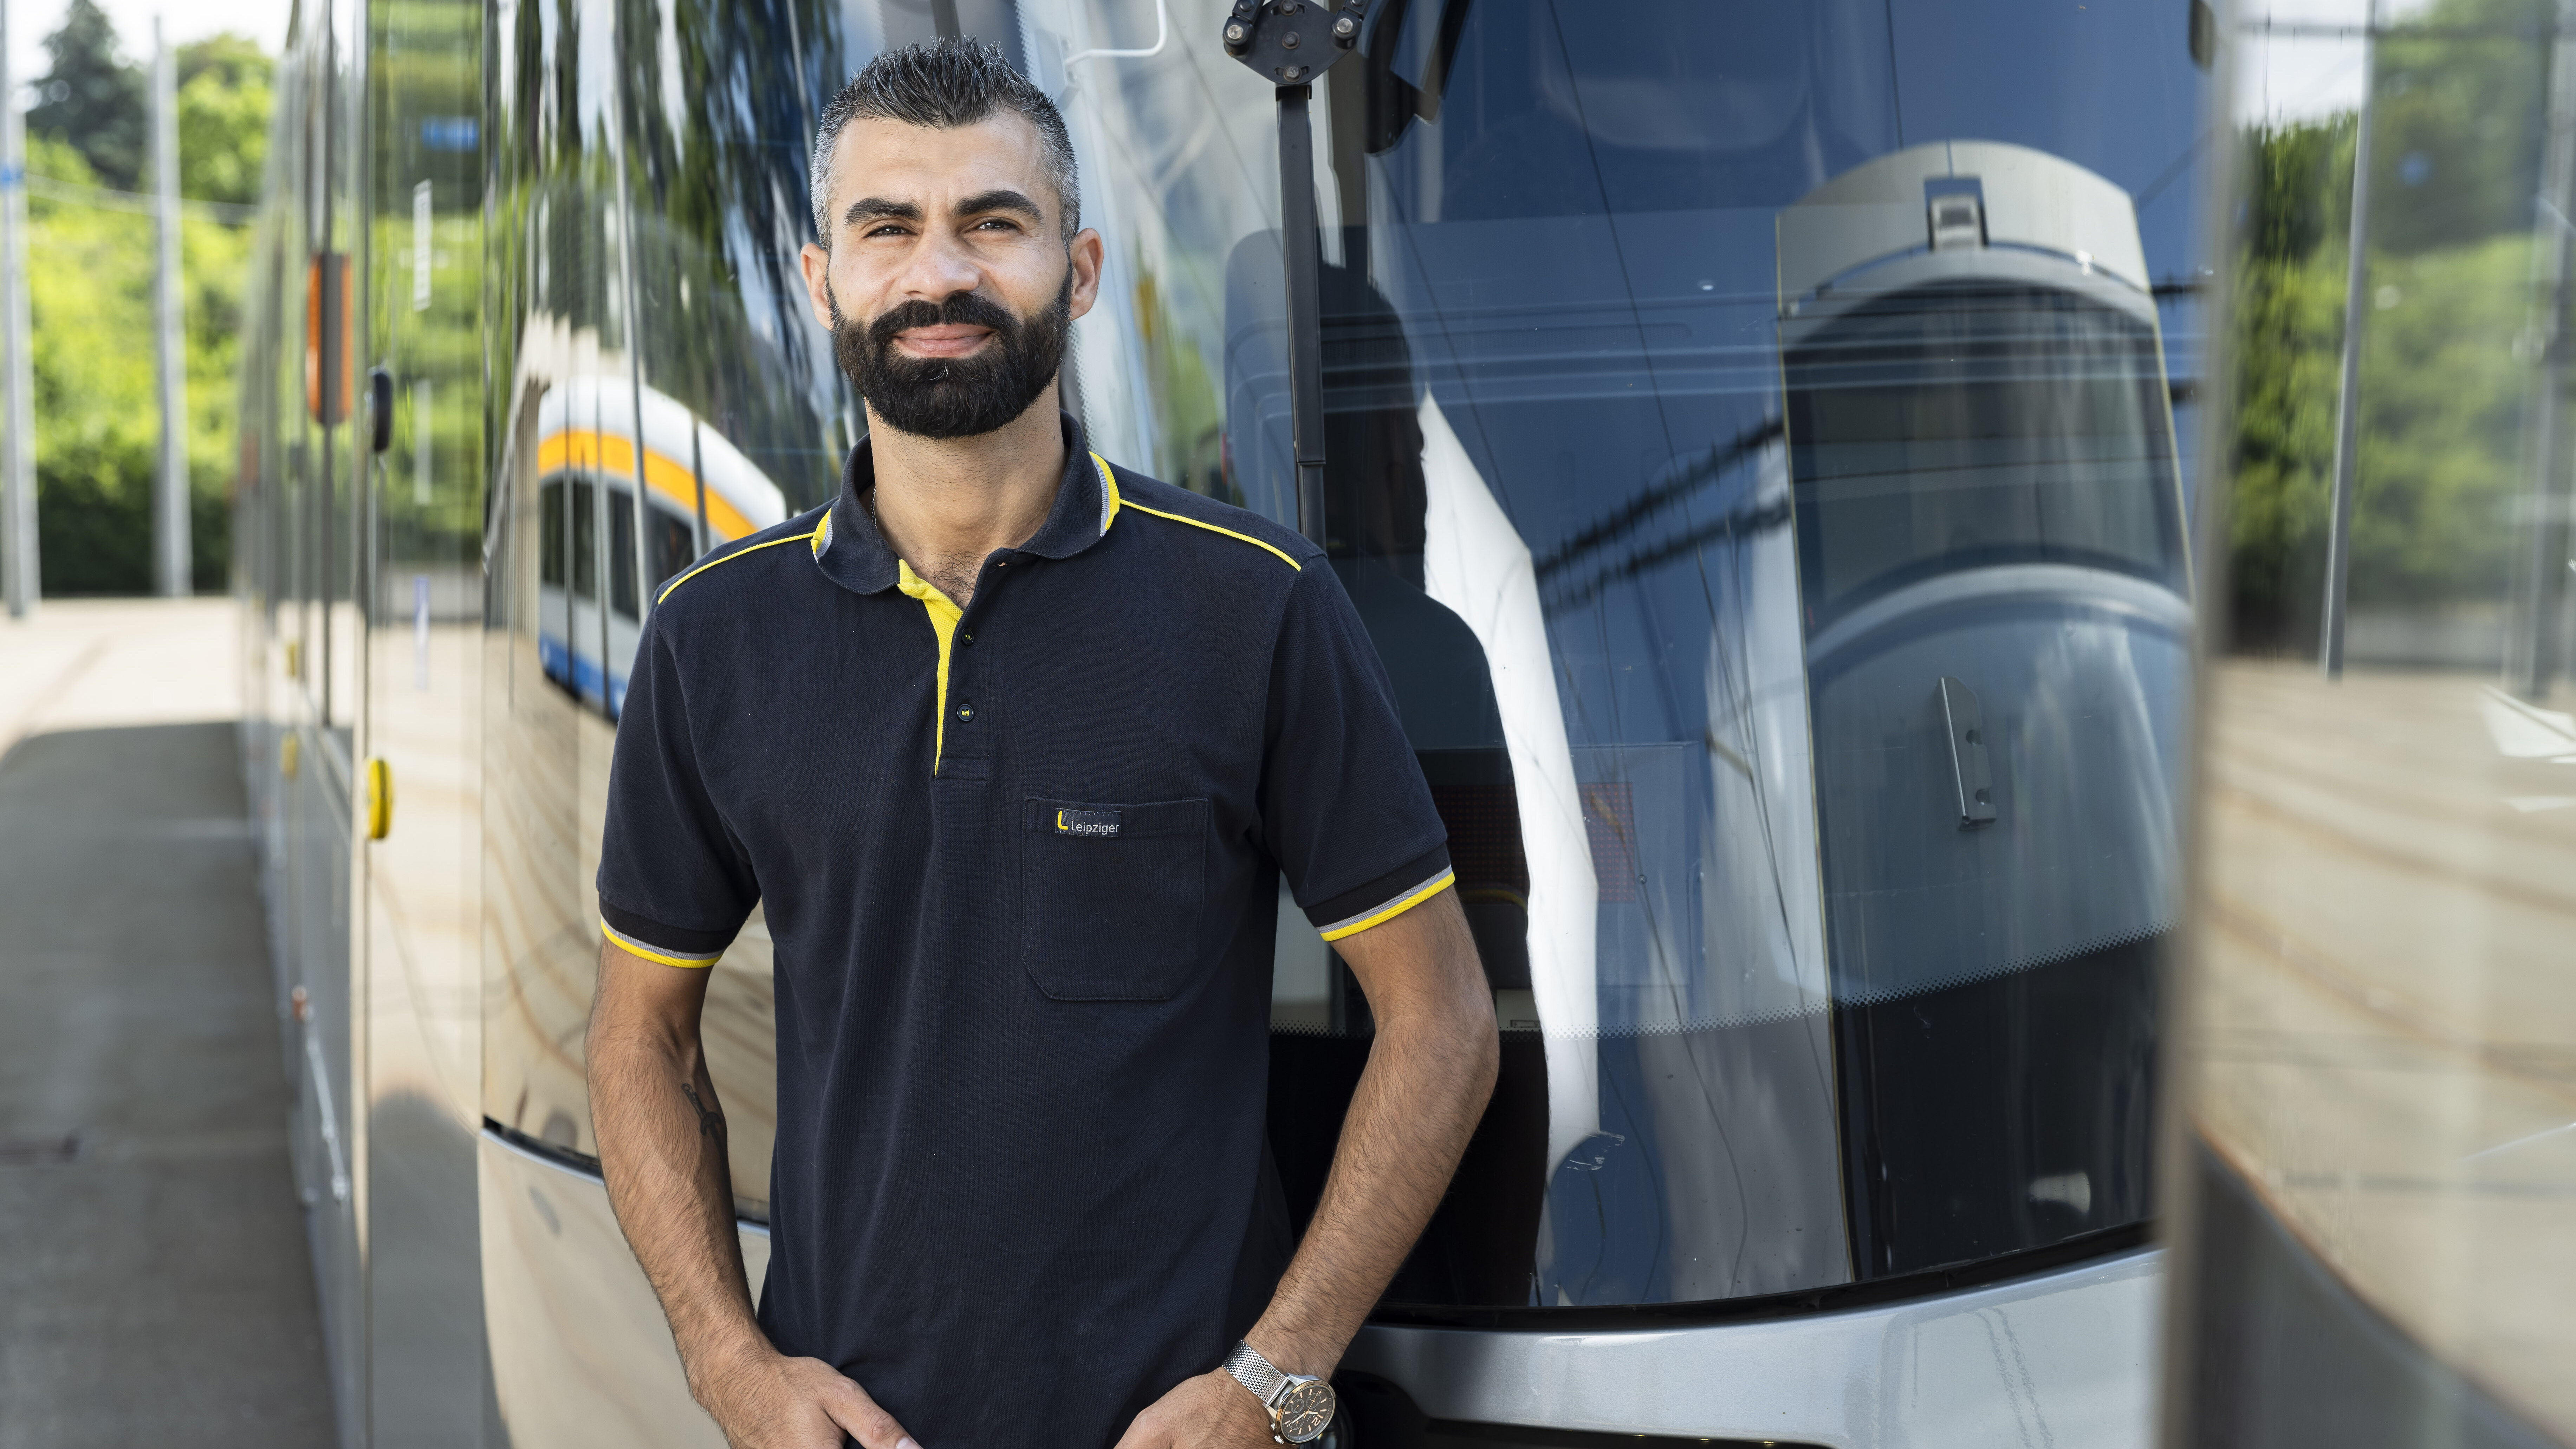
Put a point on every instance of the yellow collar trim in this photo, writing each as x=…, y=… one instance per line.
x=1110, y=513
x=944, y=615
x=1108, y=493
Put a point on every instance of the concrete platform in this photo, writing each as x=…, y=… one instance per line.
x=154, y=1281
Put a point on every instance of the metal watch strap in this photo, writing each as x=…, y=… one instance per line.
x=1256, y=1373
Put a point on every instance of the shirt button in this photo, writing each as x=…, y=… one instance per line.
x=966, y=638
x=966, y=711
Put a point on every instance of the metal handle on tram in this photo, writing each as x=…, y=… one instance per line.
x=1291, y=43
x=1964, y=719
x=380, y=409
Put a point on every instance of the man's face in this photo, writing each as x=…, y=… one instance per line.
x=949, y=288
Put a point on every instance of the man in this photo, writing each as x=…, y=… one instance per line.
x=1012, y=745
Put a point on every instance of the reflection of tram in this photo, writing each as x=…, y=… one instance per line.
x=1893, y=921
x=699, y=491
x=1992, y=582
x=1770, y=528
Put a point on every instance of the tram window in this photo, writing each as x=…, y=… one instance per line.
x=585, y=539
x=675, y=545
x=1947, y=429
x=550, y=534
x=621, y=552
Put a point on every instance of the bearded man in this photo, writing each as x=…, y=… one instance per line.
x=1013, y=746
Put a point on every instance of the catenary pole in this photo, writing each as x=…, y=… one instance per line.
x=20, y=577
x=170, y=572
x=2356, y=303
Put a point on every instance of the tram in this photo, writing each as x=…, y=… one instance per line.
x=699, y=492
x=1758, y=444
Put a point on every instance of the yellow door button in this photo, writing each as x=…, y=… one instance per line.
x=380, y=798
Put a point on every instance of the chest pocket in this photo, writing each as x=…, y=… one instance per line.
x=1111, y=897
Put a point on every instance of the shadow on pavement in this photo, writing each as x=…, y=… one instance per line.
x=154, y=1283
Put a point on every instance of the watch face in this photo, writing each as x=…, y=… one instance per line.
x=1305, y=1410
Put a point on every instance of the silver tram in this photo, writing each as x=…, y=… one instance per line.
x=1754, y=452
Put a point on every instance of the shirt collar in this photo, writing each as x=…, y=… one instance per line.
x=853, y=554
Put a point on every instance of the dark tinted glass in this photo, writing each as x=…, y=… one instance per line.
x=621, y=551
x=673, y=545
x=1952, y=428
x=585, y=539
x=550, y=534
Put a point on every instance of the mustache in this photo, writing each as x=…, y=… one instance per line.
x=958, y=309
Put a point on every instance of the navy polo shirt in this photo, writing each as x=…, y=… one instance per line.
x=1021, y=866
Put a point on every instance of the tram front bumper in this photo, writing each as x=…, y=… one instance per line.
x=2065, y=1359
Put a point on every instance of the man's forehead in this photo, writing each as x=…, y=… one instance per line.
x=935, y=166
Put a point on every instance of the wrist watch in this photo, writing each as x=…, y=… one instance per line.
x=1301, y=1406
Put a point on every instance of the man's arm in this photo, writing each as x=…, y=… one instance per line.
x=662, y=1148
x=1430, y=1071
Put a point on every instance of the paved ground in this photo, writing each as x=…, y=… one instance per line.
x=154, y=1282
x=2385, y=1044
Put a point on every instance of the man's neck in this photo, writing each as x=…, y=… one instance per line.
x=945, y=503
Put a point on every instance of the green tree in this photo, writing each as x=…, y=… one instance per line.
x=93, y=97
x=90, y=270
x=2444, y=381
x=224, y=99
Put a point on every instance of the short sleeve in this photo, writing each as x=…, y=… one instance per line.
x=674, y=884
x=1345, y=811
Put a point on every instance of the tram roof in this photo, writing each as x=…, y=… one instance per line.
x=672, y=436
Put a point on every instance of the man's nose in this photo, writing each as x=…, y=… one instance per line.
x=939, y=268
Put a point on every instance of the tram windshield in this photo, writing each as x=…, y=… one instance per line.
x=1674, y=563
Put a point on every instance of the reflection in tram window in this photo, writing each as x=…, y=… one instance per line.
x=1992, y=575
x=1980, y=423
x=621, y=553
x=1679, y=531
x=693, y=478
x=2374, y=1069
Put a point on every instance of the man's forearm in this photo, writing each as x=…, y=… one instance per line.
x=662, y=1149
x=1430, y=1071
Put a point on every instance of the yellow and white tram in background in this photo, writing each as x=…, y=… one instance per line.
x=1761, y=443
x=592, y=560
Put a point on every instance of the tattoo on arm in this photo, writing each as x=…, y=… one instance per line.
x=711, y=1122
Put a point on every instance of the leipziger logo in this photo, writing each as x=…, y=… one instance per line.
x=1087, y=822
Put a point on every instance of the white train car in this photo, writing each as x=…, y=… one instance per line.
x=699, y=491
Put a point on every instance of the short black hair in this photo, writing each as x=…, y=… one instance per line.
x=949, y=83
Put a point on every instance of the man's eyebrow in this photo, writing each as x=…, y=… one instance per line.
x=879, y=208
x=1002, y=199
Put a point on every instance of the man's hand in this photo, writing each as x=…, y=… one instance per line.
x=771, y=1401
x=1212, y=1411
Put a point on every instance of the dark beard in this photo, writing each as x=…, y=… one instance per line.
x=955, y=397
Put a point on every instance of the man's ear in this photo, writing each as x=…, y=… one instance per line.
x=1085, y=255
x=818, y=282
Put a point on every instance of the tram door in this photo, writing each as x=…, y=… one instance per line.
x=418, y=897
x=313, y=866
